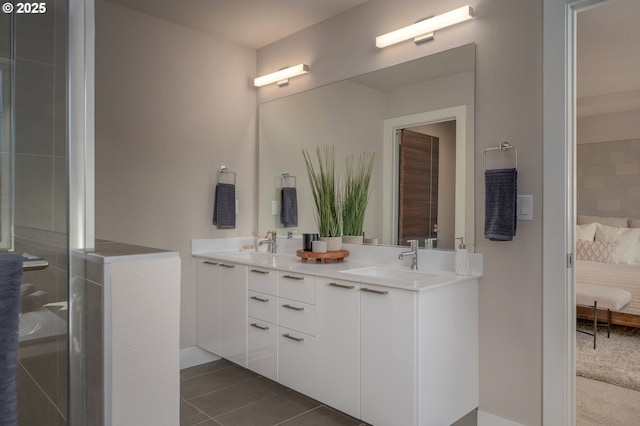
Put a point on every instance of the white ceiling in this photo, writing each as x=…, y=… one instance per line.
x=608, y=58
x=252, y=23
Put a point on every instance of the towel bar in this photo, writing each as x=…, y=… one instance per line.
x=502, y=146
x=224, y=172
x=283, y=180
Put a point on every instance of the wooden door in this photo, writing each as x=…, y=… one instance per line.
x=418, y=192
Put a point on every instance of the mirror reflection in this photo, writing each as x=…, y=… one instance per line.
x=431, y=98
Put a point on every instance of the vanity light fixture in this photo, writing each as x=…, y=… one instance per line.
x=423, y=30
x=281, y=77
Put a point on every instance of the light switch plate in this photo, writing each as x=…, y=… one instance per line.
x=275, y=207
x=525, y=207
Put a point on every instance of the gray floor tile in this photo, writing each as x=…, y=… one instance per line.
x=190, y=416
x=322, y=416
x=217, y=403
x=269, y=411
x=213, y=381
x=191, y=372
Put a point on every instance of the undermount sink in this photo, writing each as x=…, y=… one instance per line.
x=393, y=274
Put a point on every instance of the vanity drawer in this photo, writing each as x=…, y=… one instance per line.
x=296, y=361
x=262, y=348
x=296, y=287
x=263, y=306
x=297, y=315
x=262, y=280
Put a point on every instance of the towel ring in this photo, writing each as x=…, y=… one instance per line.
x=283, y=180
x=223, y=172
x=502, y=147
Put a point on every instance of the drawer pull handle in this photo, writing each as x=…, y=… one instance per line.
x=258, y=271
x=293, y=277
x=297, y=339
x=259, y=299
x=207, y=262
x=295, y=308
x=227, y=265
x=260, y=327
x=348, y=287
x=368, y=290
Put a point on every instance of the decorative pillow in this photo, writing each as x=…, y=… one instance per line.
x=596, y=251
x=586, y=232
x=619, y=222
x=627, y=239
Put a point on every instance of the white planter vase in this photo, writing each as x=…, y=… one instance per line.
x=333, y=243
x=352, y=239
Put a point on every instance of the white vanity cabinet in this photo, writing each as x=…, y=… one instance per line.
x=296, y=332
x=262, y=329
x=389, y=355
x=388, y=351
x=338, y=344
x=233, y=312
x=208, y=321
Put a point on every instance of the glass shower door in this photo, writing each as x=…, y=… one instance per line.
x=35, y=199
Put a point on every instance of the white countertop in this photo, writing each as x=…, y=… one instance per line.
x=396, y=276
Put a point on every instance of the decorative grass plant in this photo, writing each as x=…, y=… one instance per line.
x=324, y=188
x=355, y=192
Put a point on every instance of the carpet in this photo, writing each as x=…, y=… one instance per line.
x=616, y=360
x=599, y=403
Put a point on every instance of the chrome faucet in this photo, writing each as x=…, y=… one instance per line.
x=413, y=253
x=271, y=240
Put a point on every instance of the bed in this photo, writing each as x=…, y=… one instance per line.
x=608, y=254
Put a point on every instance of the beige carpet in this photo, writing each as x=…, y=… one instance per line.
x=615, y=360
x=599, y=404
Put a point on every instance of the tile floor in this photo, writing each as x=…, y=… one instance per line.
x=221, y=393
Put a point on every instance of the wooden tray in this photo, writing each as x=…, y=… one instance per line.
x=327, y=257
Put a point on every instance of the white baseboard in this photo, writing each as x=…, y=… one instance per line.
x=194, y=355
x=486, y=419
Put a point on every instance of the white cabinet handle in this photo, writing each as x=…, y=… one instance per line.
x=293, y=307
x=292, y=277
x=259, y=299
x=348, y=287
x=258, y=271
x=260, y=327
x=368, y=290
x=297, y=339
x=208, y=262
x=227, y=265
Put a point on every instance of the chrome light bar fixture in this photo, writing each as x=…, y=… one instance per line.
x=281, y=77
x=423, y=30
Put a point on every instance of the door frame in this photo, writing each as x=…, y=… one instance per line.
x=559, y=208
x=390, y=167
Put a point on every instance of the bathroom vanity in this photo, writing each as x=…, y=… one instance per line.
x=378, y=341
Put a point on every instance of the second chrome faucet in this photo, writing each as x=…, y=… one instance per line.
x=413, y=253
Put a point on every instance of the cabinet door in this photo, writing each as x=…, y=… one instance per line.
x=338, y=344
x=387, y=345
x=233, y=289
x=262, y=342
x=296, y=361
x=207, y=280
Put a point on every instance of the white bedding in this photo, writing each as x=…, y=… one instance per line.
x=624, y=276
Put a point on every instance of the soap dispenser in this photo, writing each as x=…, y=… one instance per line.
x=461, y=263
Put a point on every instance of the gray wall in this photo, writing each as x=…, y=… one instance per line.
x=172, y=106
x=608, y=178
